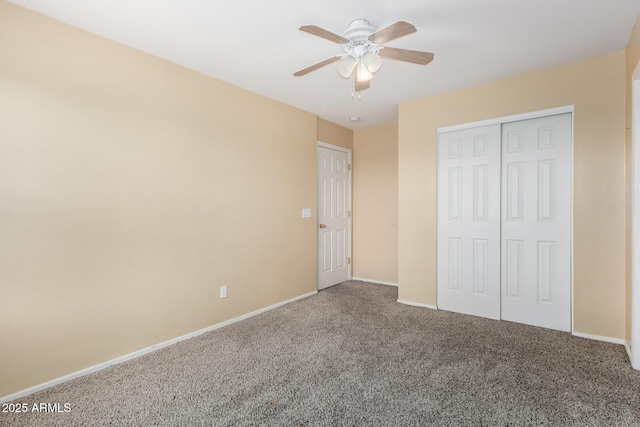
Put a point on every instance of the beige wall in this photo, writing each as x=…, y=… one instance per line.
x=632, y=59
x=375, y=203
x=130, y=190
x=597, y=89
x=332, y=133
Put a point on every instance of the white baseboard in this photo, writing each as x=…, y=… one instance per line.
x=627, y=346
x=379, y=282
x=147, y=350
x=599, y=338
x=417, y=304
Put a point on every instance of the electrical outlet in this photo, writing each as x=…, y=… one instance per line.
x=223, y=291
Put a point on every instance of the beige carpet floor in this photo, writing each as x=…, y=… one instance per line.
x=352, y=355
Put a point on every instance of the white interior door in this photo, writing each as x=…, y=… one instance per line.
x=536, y=222
x=333, y=216
x=468, y=271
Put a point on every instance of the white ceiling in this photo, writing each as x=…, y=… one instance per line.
x=255, y=44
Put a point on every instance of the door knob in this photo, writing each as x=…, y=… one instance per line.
x=323, y=226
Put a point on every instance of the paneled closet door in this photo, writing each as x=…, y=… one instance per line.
x=536, y=222
x=468, y=271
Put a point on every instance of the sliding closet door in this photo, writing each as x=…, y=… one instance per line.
x=468, y=278
x=536, y=222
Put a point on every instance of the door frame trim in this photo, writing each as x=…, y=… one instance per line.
x=349, y=205
x=513, y=118
x=552, y=112
x=635, y=220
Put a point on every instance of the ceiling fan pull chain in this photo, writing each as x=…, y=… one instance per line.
x=353, y=87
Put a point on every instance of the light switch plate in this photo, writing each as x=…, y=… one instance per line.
x=306, y=213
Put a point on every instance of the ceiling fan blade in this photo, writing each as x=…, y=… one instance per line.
x=360, y=86
x=321, y=32
x=392, y=32
x=414, y=56
x=316, y=66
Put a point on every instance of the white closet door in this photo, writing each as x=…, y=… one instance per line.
x=536, y=222
x=468, y=271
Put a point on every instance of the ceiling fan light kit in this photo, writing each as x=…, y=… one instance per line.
x=372, y=61
x=346, y=66
x=363, y=50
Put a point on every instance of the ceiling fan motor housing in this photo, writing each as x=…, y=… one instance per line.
x=359, y=31
x=358, y=35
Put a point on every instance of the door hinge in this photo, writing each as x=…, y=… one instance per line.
x=349, y=260
x=349, y=214
x=349, y=166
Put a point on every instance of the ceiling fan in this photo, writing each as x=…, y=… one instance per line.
x=363, y=50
